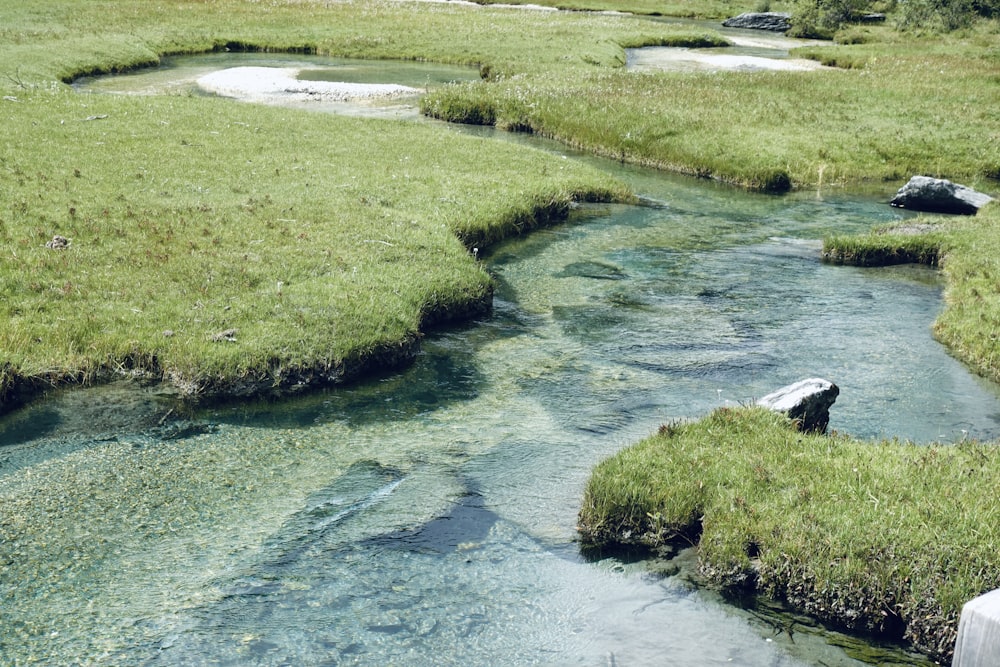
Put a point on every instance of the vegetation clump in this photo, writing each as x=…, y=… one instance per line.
x=889, y=537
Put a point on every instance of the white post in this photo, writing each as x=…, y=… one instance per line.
x=978, y=643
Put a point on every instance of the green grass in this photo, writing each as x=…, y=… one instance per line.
x=903, y=108
x=880, y=536
x=970, y=323
x=59, y=39
x=193, y=216
x=189, y=217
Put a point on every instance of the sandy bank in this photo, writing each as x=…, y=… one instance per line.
x=677, y=59
x=273, y=85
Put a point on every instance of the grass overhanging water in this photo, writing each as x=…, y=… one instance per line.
x=235, y=249
x=891, y=537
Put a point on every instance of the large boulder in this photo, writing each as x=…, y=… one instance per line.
x=937, y=195
x=773, y=21
x=807, y=402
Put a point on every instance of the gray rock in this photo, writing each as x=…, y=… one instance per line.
x=58, y=243
x=872, y=17
x=937, y=195
x=807, y=402
x=773, y=21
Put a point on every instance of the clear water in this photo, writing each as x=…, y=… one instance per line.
x=427, y=517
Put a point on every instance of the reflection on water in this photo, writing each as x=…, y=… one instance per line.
x=428, y=517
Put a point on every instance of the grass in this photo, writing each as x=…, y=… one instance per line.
x=885, y=537
x=189, y=217
x=892, y=108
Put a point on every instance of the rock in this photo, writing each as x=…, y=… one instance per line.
x=807, y=402
x=937, y=195
x=229, y=335
x=978, y=643
x=872, y=17
x=773, y=21
x=58, y=243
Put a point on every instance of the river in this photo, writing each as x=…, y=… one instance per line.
x=427, y=516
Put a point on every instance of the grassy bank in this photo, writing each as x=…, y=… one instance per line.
x=887, y=537
x=895, y=106
x=235, y=249
x=190, y=218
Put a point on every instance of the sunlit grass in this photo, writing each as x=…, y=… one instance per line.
x=906, y=108
x=190, y=217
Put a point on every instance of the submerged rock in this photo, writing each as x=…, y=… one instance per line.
x=807, y=402
x=937, y=195
x=773, y=21
x=595, y=270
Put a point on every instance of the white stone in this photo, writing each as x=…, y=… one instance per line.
x=271, y=85
x=978, y=643
x=807, y=401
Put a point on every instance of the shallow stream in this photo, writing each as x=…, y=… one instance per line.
x=427, y=517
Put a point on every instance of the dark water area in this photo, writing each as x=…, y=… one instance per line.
x=428, y=516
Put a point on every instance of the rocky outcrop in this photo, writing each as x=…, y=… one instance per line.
x=937, y=195
x=772, y=21
x=807, y=402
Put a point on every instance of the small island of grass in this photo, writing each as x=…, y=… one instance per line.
x=878, y=537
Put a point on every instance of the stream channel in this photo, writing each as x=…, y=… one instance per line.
x=427, y=517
